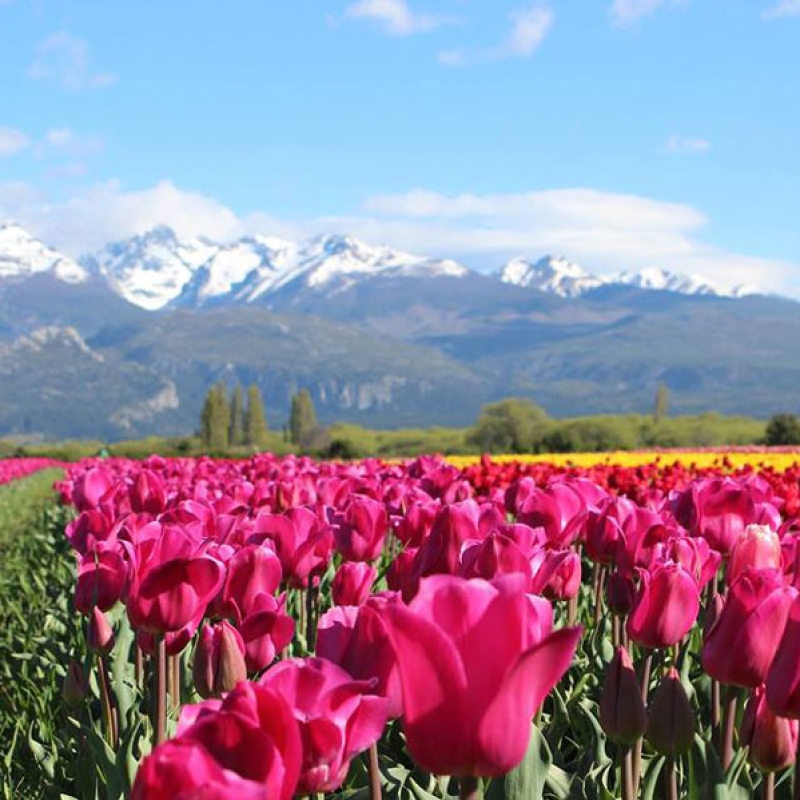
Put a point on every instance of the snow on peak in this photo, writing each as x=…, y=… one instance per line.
x=23, y=255
x=664, y=280
x=550, y=274
x=151, y=269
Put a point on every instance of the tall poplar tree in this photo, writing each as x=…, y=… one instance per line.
x=302, y=418
x=236, y=435
x=255, y=421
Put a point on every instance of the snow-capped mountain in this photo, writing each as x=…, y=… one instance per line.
x=23, y=255
x=150, y=270
x=156, y=269
x=549, y=274
x=556, y=275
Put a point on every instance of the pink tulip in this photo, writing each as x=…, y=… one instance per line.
x=558, y=509
x=474, y=665
x=361, y=531
x=99, y=635
x=302, y=542
x=102, y=575
x=741, y=644
x=666, y=606
x=356, y=638
x=771, y=740
x=758, y=548
x=557, y=574
x=783, y=678
x=254, y=570
x=338, y=718
x=266, y=631
x=352, y=583
x=218, y=660
x=248, y=746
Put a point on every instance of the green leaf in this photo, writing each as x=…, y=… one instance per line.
x=528, y=780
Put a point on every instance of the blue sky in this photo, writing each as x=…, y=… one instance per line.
x=620, y=133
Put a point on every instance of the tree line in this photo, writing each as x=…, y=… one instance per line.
x=235, y=420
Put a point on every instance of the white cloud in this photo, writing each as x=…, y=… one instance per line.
x=451, y=58
x=395, y=15
x=65, y=58
x=605, y=231
x=106, y=212
x=687, y=144
x=529, y=27
x=785, y=8
x=12, y=141
x=627, y=12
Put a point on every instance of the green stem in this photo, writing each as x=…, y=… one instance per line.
x=637, y=750
x=671, y=778
x=729, y=726
x=160, y=699
x=768, y=786
x=105, y=700
x=375, y=792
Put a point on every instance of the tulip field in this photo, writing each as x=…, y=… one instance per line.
x=618, y=626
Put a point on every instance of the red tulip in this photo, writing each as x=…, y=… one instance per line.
x=772, y=740
x=248, y=746
x=666, y=606
x=352, y=583
x=338, y=718
x=474, y=665
x=218, y=660
x=741, y=644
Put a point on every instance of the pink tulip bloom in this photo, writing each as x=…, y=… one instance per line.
x=102, y=575
x=741, y=644
x=360, y=531
x=475, y=665
x=248, y=746
x=666, y=607
x=266, y=631
x=218, y=660
x=783, y=678
x=338, y=718
x=356, y=638
x=352, y=583
x=303, y=543
x=253, y=570
x=758, y=548
x=772, y=740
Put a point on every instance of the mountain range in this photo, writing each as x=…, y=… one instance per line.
x=125, y=341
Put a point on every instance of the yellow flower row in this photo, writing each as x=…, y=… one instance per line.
x=776, y=461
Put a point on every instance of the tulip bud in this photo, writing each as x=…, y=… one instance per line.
x=99, y=634
x=620, y=592
x=758, y=548
x=218, y=660
x=622, y=712
x=671, y=725
x=74, y=689
x=772, y=740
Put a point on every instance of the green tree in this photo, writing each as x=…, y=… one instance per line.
x=255, y=421
x=215, y=419
x=783, y=429
x=236, y=427
x=513, y=425
x=661, y=404
x=302, y=418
